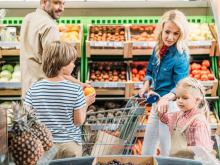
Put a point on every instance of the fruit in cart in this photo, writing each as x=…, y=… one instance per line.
x=89, y=90
x=26, y=148
x=199, y=32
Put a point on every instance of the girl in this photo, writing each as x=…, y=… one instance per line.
x=168, y=64
x=189, y=126
x=60, y=103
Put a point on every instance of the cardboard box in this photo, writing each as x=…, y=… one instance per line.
x=137, y=160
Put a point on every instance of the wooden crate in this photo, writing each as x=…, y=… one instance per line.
x=3, y=131
x=146, y=47
x=110, y=88
x=107, y=47
x=214, y=33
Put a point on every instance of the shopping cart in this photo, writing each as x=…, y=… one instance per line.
x=114, y=131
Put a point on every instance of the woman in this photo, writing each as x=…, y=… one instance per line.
x=168, y=64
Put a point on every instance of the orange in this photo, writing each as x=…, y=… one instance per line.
x=89, y=90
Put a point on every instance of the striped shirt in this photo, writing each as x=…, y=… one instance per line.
x=197, y=132
x=55, y=103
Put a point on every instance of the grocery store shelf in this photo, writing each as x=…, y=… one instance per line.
x=10, y=85
x=111, y=4
x=9, y=98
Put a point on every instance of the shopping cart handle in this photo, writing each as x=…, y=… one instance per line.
x=151, y=99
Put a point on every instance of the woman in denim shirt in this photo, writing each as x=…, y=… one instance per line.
x=168, y=64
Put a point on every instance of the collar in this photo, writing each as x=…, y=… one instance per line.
x=172, y=49
x=45, y=14
x=190, y=113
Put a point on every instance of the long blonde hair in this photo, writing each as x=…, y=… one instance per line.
x=180, y=20
x=198, y=91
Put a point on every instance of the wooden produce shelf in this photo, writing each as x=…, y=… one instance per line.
x=146, y=47
x=10, y=92
x=107, y=47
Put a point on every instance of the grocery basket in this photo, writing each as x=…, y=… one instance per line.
x=114, y=131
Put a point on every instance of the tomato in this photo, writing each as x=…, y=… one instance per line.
x=134, y=71
x=204, y=68
x=194, y=72
x=208, y=71
x=210, y=76
x=204, y=78
x=197, y=76
x=137, y=76
x=203, y=72
x=133, y=75
x=144, y=34
x=89, y=90
x=135, y=79
x=206, y=63
x=190, y=68
x=194, y=66
x=198, y=66
x=190, y=75
x=106, y=131
x=116, y=134
x=141, y=73
x=144, y=68
x=141, y=78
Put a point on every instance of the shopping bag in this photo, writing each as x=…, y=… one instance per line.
x=107, y=144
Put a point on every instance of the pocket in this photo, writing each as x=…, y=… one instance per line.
x=154, y=67
x=165, y=72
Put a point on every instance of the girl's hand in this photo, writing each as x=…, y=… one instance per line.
x=84, y=86
x=162, y=106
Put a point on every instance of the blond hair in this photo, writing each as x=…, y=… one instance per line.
x=180, y=20
x=198, y=91
x=56, y=55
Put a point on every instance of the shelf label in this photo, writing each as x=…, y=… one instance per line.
x=110, y=44
x=153, y=43
x=106, y=84
x=140, y=85
x=101, y=44
x=118, y=44
x=199, y=43
x=146, y=44
x=112, y=84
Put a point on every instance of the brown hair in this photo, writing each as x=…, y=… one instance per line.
x=56, y=55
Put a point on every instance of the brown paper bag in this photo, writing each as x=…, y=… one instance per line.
x=107, y=144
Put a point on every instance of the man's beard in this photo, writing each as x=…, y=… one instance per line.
x=51, y=13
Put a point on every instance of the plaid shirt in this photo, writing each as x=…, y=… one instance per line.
x=197, y=132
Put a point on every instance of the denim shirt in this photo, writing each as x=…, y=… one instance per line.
x=165, y=75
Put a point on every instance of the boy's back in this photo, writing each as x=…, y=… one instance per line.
x=55, y=102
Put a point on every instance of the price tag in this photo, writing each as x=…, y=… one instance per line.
x=112, y=84
x=145, y=43
x=119, y=44
x=106, y=84
x=153, y=43
x=110, y=44
x=101, y=44
x=140, y=85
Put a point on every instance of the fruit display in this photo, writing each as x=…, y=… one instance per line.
x=70, y=32
x=142, y=32
x=10, y=34
x=199, y=32
x=138, y=71
x=108, y=72
x=107, y=33
x=212, y=118
x=201, y=71
x=10, y=73
x=116, y=162
x=7, y=104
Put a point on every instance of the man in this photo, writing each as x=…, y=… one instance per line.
x=37, y=29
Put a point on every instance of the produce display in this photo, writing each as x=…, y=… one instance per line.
x=142, y=32
x=10, y=73
x=201, y=71
x=212, y=118
x=199, y=32
x=7, y=104
x=138, y=71
x=116, y=162
x=70, y=32
x=108, y=71
x=107, y=33
x=10, y=34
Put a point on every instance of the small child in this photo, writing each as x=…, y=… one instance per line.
x=60, y=103
x=189, y=126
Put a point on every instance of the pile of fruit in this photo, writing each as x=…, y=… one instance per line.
x=201, y=71
x=10, y=74
x=116, y=162
x=212, y=118
x=138, y=71
x=107, y=33
x=30, y=137
x=70, y=32
x=143, y=33
x=108, y=71
x=199, y=32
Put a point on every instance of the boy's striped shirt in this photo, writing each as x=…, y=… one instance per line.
x=55, y=103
